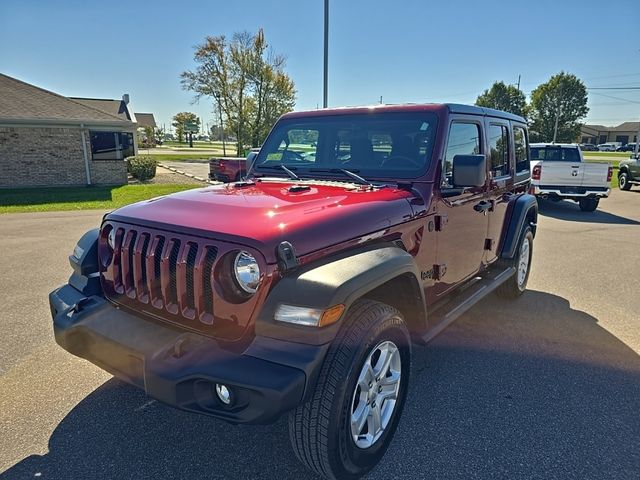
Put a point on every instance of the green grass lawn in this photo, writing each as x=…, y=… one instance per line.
x=183, y=157
x=80, y=198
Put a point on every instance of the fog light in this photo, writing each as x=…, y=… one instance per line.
x=223, y=393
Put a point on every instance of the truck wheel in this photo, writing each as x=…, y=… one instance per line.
x=517, y=283
x=623, y=181
x=589, y=204
x=345, y=428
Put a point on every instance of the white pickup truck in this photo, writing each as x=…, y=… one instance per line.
x=559, y=172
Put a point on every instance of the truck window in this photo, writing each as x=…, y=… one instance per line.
x=555, y=154
x=520, y=146
x=499, y=150
x=464, y=139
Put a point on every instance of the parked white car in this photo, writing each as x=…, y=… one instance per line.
x=609, y=147
x=559, y=172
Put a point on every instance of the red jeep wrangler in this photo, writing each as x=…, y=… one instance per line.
x=301, y=289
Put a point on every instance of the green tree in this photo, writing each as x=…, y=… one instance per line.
x=503, y=97
x=246, y=80
x=179, y=119
x=557, y=108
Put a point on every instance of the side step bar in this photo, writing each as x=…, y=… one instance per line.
x=450, y=311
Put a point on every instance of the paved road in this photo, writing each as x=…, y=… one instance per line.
x=547, y=386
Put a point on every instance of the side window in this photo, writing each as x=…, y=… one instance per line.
x=520, y=145
x=499, y=150
x=464, y=139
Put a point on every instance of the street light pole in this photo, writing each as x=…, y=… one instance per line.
x=326, y=55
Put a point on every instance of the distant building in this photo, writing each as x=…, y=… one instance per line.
x=596, y=134
x=49, y=140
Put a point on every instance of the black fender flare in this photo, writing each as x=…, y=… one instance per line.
x=525, y=206
x=341, y=279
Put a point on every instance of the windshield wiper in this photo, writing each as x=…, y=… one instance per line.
x=287, y=170
x=348, y=173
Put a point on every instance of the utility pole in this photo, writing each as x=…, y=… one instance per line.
x=380, y=99
x=326, y=55
x=518, y=82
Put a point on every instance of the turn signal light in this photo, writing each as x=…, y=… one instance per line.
x=537, y=172
x=331, y=315
x=609, y=174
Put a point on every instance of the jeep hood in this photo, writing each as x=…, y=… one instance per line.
x=310, y=215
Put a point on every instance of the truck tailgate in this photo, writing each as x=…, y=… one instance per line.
x=570, y=174
x=595, y=174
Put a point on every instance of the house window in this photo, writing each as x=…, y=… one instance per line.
x=111, y=145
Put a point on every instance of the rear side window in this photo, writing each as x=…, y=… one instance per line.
x=520, y=146
x=499, y=145
x=555, y=154
x=464, y=139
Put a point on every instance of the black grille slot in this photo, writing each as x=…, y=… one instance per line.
x=131, y=249
x=209, y=260
x=173, y=264
x=191, y=261
x=143, y=256
x=157, y=292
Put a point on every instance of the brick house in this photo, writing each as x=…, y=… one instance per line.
x=50, y=140
x=624, y=133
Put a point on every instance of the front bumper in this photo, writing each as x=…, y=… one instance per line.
x=182, y=368
x=571, y=192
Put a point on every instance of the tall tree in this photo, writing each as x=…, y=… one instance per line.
x=179, y=119
x=246, y=80
x=557, y=107
x=503, y=97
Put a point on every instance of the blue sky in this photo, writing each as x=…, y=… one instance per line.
x=402, y=50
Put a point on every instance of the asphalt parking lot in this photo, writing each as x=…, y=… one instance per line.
x=547, y=386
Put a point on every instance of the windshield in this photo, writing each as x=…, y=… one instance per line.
x=373, y=145
x=558, y=154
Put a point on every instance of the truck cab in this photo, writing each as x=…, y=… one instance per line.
x=356, y=234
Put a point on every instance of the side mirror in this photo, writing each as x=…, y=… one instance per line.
x=469, y=170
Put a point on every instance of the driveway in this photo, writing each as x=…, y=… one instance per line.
x=547, y=386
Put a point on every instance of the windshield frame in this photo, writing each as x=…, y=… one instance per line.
x=328, y=128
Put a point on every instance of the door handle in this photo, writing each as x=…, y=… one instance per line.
x=483, y=207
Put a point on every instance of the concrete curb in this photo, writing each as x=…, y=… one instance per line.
x=189, y=175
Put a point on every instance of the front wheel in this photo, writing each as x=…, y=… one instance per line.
x=517, y=283
x=346, y=427
x=589, y=204
x=623, y=181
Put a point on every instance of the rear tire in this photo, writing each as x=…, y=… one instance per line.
x=589, y=204
x=354, y=376
x=623, y=181
x=517, y=283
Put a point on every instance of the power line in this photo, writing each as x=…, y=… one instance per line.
x=613, y=88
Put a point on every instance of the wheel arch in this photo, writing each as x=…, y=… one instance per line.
x=523, y=212
x=382, y=272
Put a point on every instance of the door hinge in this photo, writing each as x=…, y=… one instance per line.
x=441, y=220
x=488, y=243
x=439, y=271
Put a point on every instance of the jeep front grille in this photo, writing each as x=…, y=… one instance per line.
x=170, y=273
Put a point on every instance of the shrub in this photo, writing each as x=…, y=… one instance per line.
x=142, y=167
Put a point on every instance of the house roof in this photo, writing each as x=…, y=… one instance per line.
x=116, y=108
x=145, y=119
x=627, y=127
x=23, y=102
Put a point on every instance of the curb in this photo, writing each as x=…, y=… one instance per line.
x=189, y=175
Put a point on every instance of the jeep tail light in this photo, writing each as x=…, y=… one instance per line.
x=537, y=171
x=609, y=174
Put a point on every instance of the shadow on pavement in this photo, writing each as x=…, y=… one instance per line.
x=523, y=389
x=569, y=210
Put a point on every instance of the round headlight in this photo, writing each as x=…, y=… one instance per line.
x=247, y=272
x=111, y=239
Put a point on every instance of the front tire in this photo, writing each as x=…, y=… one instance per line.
x=623, y=181
x=517, y=283
x=588, y=204
x=346, y=427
